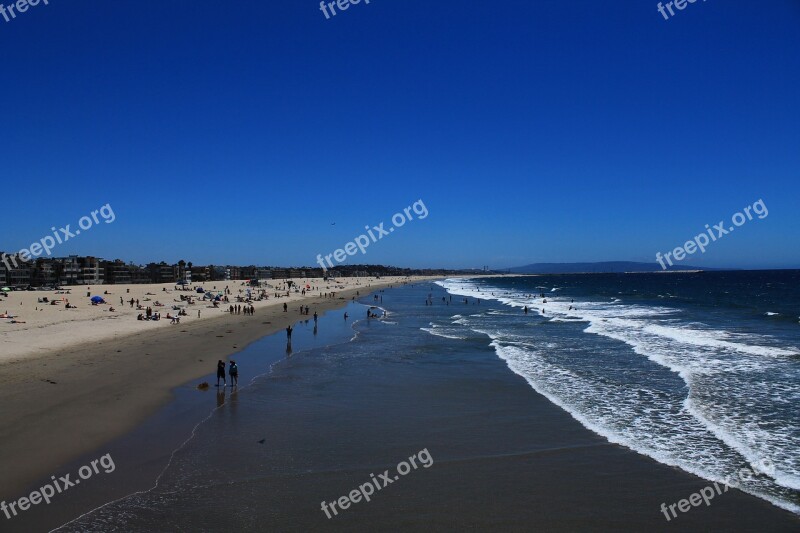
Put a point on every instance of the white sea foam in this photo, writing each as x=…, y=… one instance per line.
x=721, y=401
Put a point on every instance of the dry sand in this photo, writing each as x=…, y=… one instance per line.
x=50, y=327
x=72, y=380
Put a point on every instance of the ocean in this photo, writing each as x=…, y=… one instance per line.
x=699, y=371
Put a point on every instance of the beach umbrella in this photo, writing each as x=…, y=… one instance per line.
x=97, y=299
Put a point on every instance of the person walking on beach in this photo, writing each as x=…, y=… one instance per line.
x=285, y=307
x=289, y=332
x=221, y=373
x=315, y=316
x=233, y=370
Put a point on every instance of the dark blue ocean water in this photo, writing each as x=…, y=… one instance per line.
x=696, y=370
x=699, y=370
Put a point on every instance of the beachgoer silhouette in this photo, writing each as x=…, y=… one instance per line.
x=288, y=332
x=233, y=370
x=221, y=372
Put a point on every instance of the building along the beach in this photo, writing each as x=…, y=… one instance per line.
x=117, y=272
x=91, y=271
x=278, y=273
x=14, y=271
x=72, y=270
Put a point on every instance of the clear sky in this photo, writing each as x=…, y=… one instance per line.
x=239, y=131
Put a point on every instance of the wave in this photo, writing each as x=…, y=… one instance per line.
x=439, y=333
x=730, y=384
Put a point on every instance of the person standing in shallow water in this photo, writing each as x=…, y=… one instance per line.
x=221, y=372
x=233, y=371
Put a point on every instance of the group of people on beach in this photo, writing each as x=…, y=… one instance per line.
x=233, y=372
x=239, y=309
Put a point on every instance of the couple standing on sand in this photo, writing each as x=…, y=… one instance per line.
x=233, y=371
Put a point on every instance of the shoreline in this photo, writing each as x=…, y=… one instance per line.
x=85, y=395
x=479, y=420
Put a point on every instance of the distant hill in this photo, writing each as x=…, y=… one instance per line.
x=598, y=268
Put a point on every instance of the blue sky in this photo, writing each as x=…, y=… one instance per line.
x=534, y=131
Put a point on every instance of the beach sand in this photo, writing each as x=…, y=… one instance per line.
x=78, y=378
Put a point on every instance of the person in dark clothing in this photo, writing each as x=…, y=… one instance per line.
x=289, y=332
x=221, y=372
x=233, y=371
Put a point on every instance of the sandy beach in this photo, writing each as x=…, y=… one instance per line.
x=343, y=408
x=81, y=377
